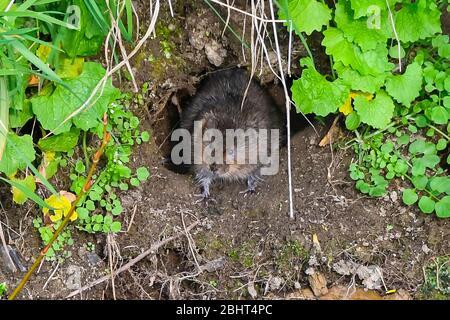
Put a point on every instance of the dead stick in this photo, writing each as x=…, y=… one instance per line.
x=132, y=262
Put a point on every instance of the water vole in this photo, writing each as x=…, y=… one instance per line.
x=219, y=107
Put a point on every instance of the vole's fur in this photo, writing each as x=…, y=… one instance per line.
x=218, y=105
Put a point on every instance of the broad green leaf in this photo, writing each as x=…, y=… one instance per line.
x=426, y=204
x=440, y=184
x=371, y=62
x=358, y=30
x=313, y=93
x=358, y=82
x=406, y=87
x=370, y=8
x=87, y=40
x=377, y=112
x=439, y=115
x=417, y=20
x=12, y=160
x=63, y=142
x=69, y=68
x=54, y=109
x=18, y=118
x=306, y=15
x=420, y=182
x=442, y=207
x=409, y=196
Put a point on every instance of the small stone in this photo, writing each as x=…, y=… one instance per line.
x=425, y=249
x=215, y=53
x=73, y=279
x=214, y=265
x=394, y=196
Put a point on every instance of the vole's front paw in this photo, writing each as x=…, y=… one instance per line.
x=251, y=186
x=248, y=191
x=204, y=198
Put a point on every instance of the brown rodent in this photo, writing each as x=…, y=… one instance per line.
x=218, y=105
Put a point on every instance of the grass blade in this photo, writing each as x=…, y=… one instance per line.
x=30, y=56
x=4, y=114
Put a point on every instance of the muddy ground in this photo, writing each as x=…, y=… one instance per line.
x=242, y=247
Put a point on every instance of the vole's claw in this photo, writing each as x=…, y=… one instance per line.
x=204, y=198
x=248, y=191
x=251, y=186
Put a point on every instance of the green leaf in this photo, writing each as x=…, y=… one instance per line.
x=313, y=93
x=123, y=186
x=358, y=30
x=145, y=136
x=142, y=173
x=404, y=139
x=87, y=40
x=306, y=15
x=117, y=210
x=377, y=112
x=369, y=8
x=80, y=167
x=18, y=149
x=52, y=110
x=418, y=20
x=439, y=115
x=83, y=213
x=441, y=144
x=441, y=42
x=108, y=220
x=421, y=121
x=426, y=204
x=18, y=118
x=371, y=62
x=352, y=121
x=68, y=68
x=135, y=182
x=409, y=196
x=420, y=182
x=358, y=82
x=63, y=142
x=406, y=87
x=442, y=207
x=116, y=226
x=417, y=146
x=440, y=184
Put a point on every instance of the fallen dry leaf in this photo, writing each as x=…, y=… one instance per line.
x=332, y=135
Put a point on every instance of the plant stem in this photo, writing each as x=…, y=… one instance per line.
x=84, y=190
x=86, y=156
